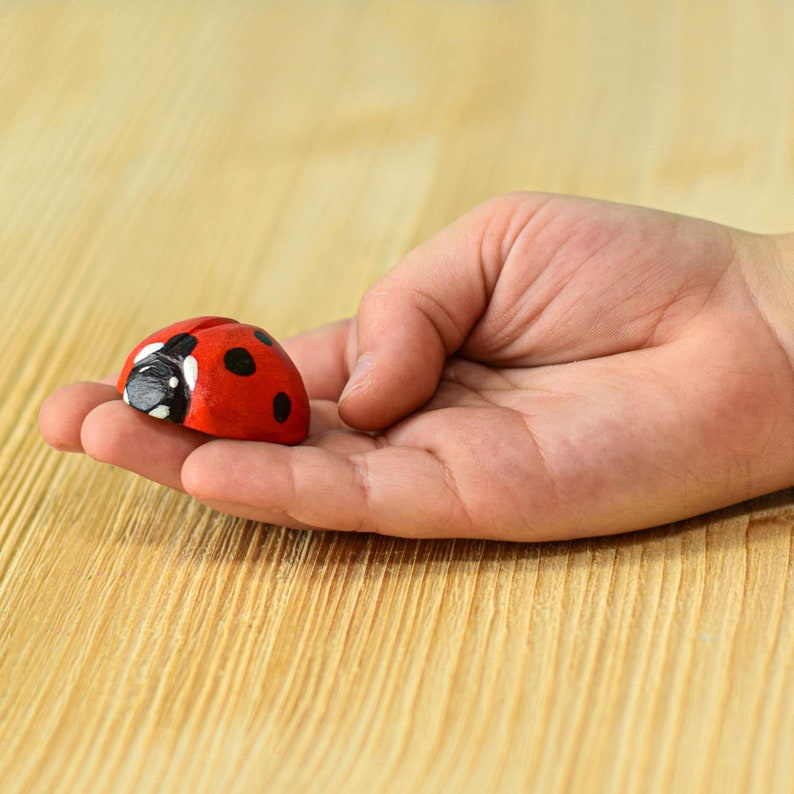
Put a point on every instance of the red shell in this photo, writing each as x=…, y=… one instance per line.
x=261, y=399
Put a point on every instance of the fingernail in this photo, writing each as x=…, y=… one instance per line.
x=359, y=376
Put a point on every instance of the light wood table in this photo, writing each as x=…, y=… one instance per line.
x=270, y=160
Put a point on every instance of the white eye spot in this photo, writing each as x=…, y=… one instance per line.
x=174, y=382
x=160, y=412
x=190, y=368
x=125, y=396
x=147, y=351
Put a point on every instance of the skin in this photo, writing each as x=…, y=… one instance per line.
x=546, y=367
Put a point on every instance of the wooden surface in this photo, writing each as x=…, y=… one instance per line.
x=269, y=161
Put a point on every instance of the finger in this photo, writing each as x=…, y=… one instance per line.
x=338, y=441
x=119, y=435
x=324, y=417
x=374, y=491
x=422, y=311
x=273, y=517
x=62, y=413
x=112, y=432
x=323, y=356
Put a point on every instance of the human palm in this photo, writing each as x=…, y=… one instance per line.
x=546, y=367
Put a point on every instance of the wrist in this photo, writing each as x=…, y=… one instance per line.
x=767, y=263
x=785, y=293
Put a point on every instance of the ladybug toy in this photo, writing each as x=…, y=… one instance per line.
x=218, y=376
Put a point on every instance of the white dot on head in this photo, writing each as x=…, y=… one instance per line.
x=125, y=396
x=173, y=382
x=147, y=351
x=160, y=412
x=190, y=368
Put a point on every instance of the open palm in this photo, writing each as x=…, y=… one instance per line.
x=546, y=367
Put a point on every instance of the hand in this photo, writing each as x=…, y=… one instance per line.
x=544, y=368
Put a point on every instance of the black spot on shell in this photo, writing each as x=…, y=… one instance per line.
x=263, y=338
x=180, y=345
x=239, y=361
x=282, y=407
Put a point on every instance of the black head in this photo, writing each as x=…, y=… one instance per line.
x=163, y=378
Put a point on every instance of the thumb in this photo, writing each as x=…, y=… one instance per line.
x=420, y=313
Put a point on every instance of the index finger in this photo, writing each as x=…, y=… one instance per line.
x=324, y=358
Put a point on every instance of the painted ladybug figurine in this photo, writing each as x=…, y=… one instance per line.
x=218, y=376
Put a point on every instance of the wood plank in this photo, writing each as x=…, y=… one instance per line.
x=270, y=161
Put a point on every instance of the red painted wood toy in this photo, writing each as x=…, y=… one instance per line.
x=218, y=376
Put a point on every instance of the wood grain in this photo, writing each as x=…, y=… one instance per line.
x=270, y=160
